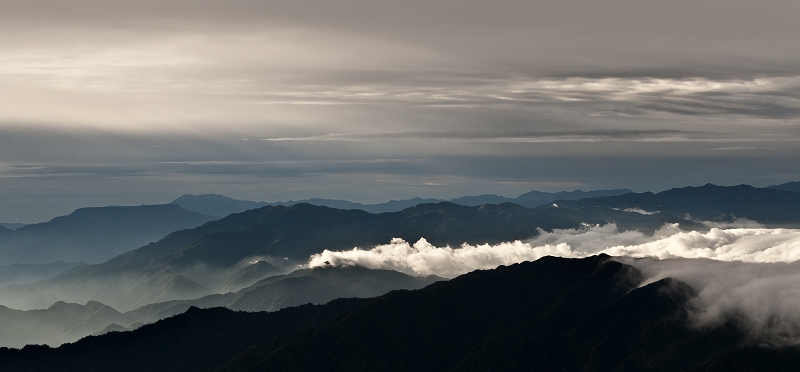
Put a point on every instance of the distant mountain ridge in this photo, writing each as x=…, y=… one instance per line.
x=788, y=186
x=220, y=205
x=769, y=206
x=553, y=314
x=94, y=234
x=11, y=226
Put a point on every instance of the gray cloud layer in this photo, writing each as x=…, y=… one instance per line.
x=103, y=100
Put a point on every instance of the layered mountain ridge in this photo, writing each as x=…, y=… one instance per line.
x=768, y=206
x=587, y=314
x=220, y=205
x=194, y=262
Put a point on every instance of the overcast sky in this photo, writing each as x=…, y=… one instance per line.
x=131, y=102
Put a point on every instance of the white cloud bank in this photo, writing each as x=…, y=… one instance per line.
x=748, y=275
x=422, y=258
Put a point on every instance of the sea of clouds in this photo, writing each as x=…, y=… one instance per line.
x=750, y=275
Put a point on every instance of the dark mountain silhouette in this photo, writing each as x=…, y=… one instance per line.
x=788, y=186
x=94, y=234
x=191, y=263
x=710, y=202
x=553, y=314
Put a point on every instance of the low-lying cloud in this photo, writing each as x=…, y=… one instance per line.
x=422, y=258
x=761, y=299
x=750, y=276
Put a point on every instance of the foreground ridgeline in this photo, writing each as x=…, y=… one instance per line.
x=552, y=314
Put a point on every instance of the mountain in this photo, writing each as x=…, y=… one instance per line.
x=29, y=273
x=94, y=234
x=67, y=322
x=221, y=206
x=536, y=198
x=318, y=286
x=788, y=186
x=397, y=205
x=11, y=226
x=552, y=314
x=195, y=262
x=215, y=205
x=771, y=207
x=570, y=195
x=481, y=200
x=61, y=322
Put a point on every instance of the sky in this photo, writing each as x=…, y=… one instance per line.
x=130, y=102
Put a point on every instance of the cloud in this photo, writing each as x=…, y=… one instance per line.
x=528, y=136
x=422, y=258
x=638, y=210
x=761, y=299
x=750, y=276
x=522, y=92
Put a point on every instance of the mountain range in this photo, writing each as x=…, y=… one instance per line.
x=220, y=205
x=788, y=186
x=11, y=225
x=195, y=262
x=768, y=206
x=252, y=260
x=201, y=261
x=68, y=322
x=553, y=314
x=94, y=234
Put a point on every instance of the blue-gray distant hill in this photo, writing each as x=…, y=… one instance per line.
x=788, y=186
x=769, y=206
x=94, y=234
x=221, y=206
x=11, y=226
x=537, y=198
